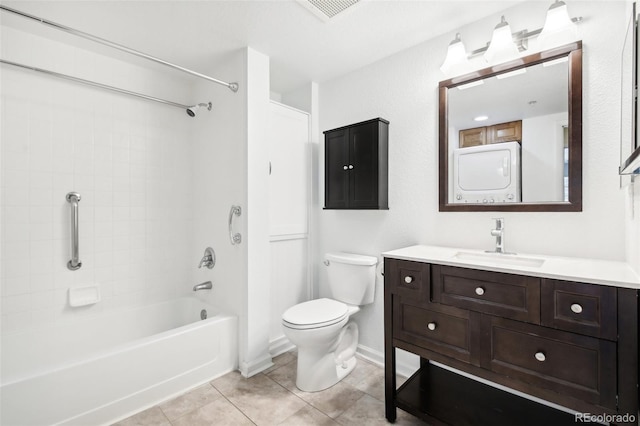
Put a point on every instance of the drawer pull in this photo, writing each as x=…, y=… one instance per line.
x=408, y=279
x=479, y=291
x=432, y=326
x=576, y=308
x=540, y=356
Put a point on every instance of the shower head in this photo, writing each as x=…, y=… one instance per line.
x=191, y=111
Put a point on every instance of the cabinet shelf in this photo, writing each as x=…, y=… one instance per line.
x=440, y=396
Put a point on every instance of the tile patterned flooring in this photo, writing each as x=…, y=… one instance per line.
x=271, y=398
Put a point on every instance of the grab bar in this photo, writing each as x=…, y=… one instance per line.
x=236, y=238
x=74, y=264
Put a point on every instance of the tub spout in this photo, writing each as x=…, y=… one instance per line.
x=207, y=285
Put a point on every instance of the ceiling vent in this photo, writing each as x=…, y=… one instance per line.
x=327, y=9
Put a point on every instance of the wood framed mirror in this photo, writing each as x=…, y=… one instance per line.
x=630, y=113
x=510, y=136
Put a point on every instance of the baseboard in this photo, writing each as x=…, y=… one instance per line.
x=253, y=367
x=406, y=363
x=280, y=345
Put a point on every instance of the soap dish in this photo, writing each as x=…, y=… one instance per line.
x=83, y=296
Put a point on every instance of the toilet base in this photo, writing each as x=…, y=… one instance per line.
x=343, y=370
x=314, y=375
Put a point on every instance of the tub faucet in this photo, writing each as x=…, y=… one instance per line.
x=499, y=234
x=207, y=285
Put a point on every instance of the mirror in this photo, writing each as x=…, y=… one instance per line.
x=511, y=135
x=630, y=113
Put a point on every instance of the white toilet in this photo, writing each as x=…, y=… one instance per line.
x=321, y=329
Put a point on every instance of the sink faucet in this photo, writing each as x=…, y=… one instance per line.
x=499, y=234
x=207, y=285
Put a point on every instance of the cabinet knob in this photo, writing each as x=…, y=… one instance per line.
x=479, y=291
x=432, y=326
x=540, y=356
x=408, y=279
x=345, y=167
x=350, y=166
x=576, y=308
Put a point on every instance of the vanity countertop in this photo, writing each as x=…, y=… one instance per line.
x=594, y=271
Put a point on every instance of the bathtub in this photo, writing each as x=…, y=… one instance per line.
x=101, y=369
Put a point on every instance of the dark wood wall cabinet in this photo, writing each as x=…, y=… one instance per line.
x=356, y=166
x=570, y=343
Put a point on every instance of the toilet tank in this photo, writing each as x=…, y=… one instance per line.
x=352, y=277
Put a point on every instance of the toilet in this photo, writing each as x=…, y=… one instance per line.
x=321, y=328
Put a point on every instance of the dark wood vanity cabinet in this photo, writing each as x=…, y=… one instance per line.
x=356, y=166
x=569, y=343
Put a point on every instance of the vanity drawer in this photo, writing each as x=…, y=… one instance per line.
x=582, y=308
x=575, y=365
x=495, y=293
x=447, y=331
x=408, y=279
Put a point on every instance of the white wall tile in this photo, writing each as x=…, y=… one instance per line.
x=113, y=150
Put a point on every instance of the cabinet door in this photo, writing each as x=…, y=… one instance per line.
x=473, y=137
x=409, y=279
x=578, y=366
x=495, y=293
x=505, y=132
x=363, y=165
x=336, y=169
x=289, y=171
x=581, y=308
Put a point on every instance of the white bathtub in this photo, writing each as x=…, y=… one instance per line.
x=112, y=365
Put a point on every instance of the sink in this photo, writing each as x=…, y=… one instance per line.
x=500, y=259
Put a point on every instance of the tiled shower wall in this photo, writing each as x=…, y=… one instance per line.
x=130, y=160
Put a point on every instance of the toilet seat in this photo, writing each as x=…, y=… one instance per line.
x=315, y=314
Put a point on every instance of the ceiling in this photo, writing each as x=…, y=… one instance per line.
x=301, y=47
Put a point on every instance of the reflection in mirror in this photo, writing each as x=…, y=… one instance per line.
x=507, y=137
x=511, y=136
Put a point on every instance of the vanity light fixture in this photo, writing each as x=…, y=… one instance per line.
x=456, y=61
x=558, y=28
x=502, y=47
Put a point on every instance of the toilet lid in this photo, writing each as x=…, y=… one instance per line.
x=315, y=313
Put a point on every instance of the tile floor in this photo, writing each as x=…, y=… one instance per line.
x=271, y=398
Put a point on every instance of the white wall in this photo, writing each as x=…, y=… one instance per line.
x=218, y=155
x=127, y=157
x=289, y=184
x=403, y=90
x=632, y=220
x=254, y=346
x=543, y=158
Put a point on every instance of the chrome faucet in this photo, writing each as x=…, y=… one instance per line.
x=207, y=285
x=499, y=234
x=209, y=258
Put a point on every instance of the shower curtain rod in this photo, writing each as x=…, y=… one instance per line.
x=232, y=86
x=190, y=109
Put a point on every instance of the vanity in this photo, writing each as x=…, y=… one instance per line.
x=551, y=332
